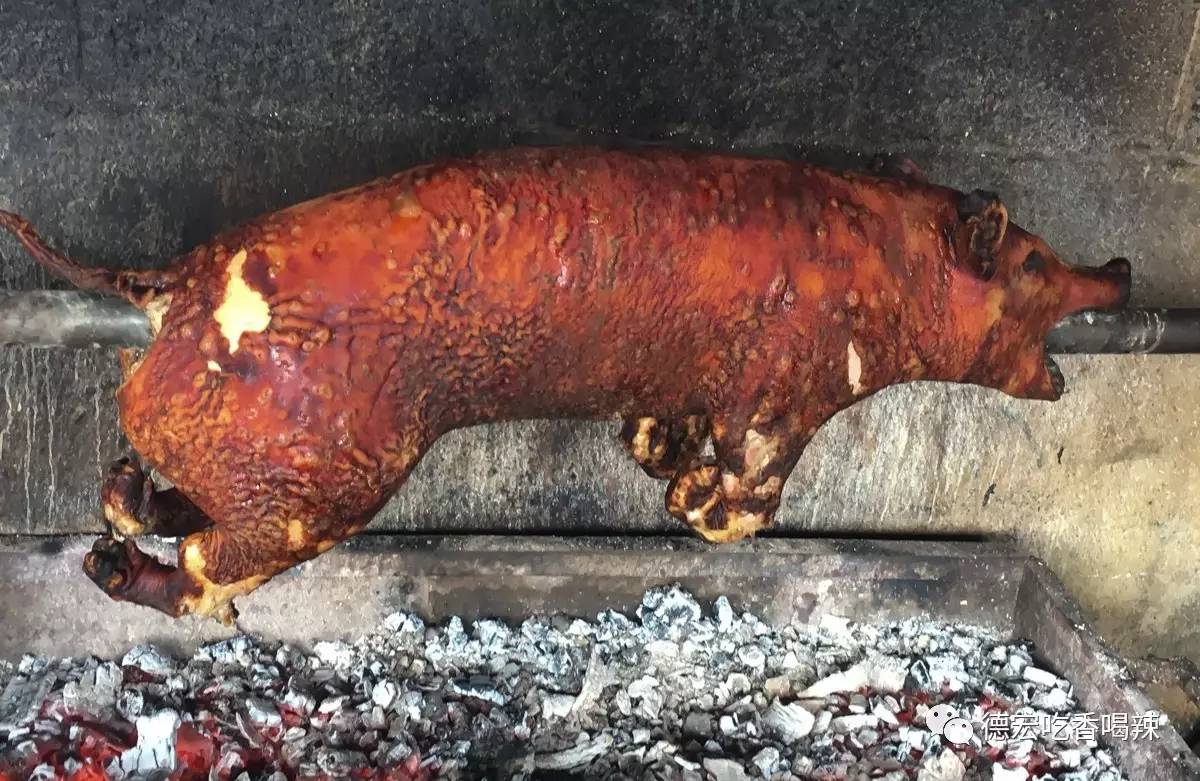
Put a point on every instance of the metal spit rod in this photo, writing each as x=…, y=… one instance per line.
x=70, y=318
x=1136, y=331
x=66, y=318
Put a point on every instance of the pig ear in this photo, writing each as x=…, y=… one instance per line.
x=983, y=223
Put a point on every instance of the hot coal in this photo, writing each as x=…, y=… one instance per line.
x=674, y=692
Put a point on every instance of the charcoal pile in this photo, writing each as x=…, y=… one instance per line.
x=673, y=692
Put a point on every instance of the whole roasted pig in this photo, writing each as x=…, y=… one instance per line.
x=304, y=361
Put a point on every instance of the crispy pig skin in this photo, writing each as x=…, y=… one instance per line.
x=308, y=358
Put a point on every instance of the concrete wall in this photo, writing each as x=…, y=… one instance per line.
x=130, y=131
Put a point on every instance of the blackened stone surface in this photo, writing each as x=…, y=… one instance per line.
x=129, y=131
x=1052, y=75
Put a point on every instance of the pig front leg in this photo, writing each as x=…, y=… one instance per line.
x=133, y=506
x=664, y=446
x=735, y=494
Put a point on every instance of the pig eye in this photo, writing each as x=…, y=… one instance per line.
x=1034, y=262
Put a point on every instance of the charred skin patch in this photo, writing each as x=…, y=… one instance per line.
x=854, y=370
x=256, y=271
x=243, y=309
x=662, y=447
x=155, y=310
x=297, y=536
x=758, y=452
x=209, y=598
x=243, y=365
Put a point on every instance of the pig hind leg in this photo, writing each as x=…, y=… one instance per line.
x=663, y=446
x=226, y=560
x=126, y=574
x=215, y=566
x=233, y=559
x=133, y=506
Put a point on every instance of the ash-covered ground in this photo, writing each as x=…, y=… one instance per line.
x=674, y=692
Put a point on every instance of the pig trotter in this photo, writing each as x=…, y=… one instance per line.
x=215, y=566
x=109, y=565
x=126, y=574
x=664, y=446
x=736, y=494
x=720, y=504
x=695, y=497
x=133, y=506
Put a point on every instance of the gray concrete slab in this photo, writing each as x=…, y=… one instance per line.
x=351, y=589
x=346, y=593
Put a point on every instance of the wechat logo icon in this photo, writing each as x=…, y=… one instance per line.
x=944, y=720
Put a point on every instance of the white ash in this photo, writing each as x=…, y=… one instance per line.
x=155, y=747
x=675, y=692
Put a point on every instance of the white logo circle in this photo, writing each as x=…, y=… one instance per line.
x=937, y=716
x=958, y=731
x=944, y=720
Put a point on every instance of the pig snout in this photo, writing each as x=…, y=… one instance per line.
x=1119, y=270
x=1102, y=287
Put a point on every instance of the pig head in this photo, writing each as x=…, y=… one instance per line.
x=1007, y=289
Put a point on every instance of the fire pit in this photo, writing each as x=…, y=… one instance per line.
x=483, y=657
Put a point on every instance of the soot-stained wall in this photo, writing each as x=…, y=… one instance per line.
x=129, y=131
